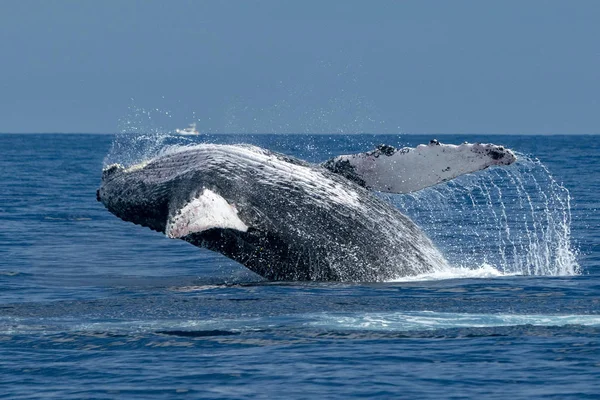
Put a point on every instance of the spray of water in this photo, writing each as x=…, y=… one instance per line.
x=515, y=219
x=142, y=136
x=503, y=221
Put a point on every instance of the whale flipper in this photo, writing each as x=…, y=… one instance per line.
x=387, y=169
x=207, y=211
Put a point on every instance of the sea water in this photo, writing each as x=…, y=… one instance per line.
x=94, y=307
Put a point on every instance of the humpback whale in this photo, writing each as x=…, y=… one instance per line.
x=288, y=219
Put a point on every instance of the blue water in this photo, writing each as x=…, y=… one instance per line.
x=94, y=307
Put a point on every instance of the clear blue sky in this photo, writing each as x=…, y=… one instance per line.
x=302, y=66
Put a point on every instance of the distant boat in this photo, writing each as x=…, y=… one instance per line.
x=189, y=131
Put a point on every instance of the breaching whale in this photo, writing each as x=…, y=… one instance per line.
x=287, y=219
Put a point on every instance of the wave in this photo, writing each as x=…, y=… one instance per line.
x=357, y=321
x=429, y=320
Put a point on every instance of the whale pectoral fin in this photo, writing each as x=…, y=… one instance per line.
x=387, y=169
x=207, y=211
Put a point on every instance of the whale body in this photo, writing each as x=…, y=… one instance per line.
x=287, y=219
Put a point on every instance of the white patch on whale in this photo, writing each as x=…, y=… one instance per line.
x=410, y=169
x=205, y=212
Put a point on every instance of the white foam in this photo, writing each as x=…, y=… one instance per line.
x=405, y=321
x=484, y=271
x=429, y=320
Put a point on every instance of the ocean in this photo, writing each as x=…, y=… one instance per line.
x=94, y=307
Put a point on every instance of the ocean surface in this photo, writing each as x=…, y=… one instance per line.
x=94, y=307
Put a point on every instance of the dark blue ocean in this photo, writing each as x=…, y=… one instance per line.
x=94, y=307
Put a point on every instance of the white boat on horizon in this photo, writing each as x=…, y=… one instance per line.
x=189, y=131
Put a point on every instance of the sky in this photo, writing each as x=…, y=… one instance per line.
x=336, y=66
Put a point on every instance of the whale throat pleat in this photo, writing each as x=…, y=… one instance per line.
x=202, y=213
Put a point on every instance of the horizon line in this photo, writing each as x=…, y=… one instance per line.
x=315, y=133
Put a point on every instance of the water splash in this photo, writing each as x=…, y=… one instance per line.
x=502, y=221
x=484, y=271
x=515, y=219
x=142, y=135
